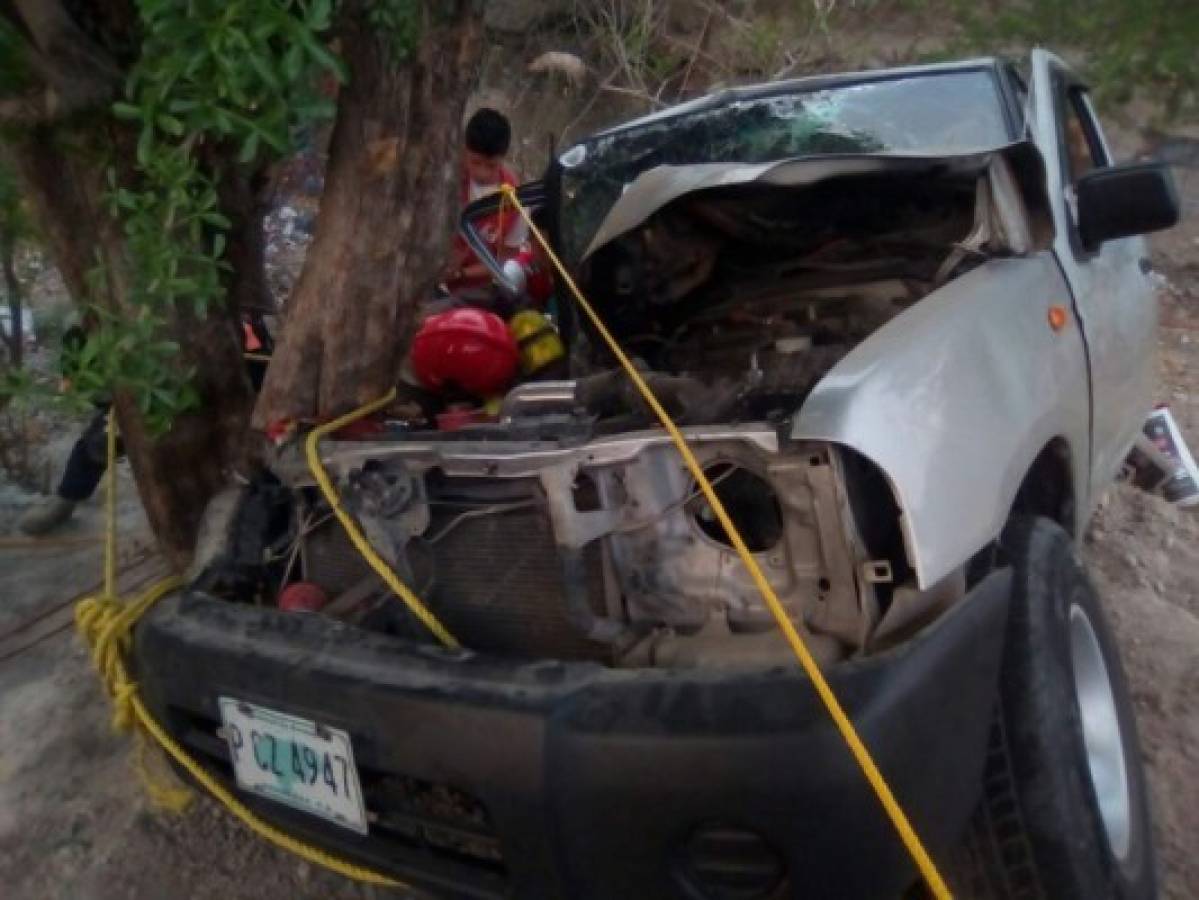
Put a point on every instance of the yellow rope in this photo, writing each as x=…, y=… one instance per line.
x=312, y=449
x=276, y=836
x=110, y=508
x=106, y=624
x=848, y=733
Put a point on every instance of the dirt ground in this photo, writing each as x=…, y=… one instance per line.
x=74, y=821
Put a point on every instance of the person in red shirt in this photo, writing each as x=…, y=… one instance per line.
x=488, y=138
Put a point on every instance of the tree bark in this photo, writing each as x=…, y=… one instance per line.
x=178, y=473
x=381, y=235
x=385, y=217
x=242, y=199
x=73, y=69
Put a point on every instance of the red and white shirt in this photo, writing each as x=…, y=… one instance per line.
x=503, y=230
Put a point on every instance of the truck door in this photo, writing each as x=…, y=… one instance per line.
x=1113, y=296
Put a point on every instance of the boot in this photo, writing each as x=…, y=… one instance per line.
x=46, y=516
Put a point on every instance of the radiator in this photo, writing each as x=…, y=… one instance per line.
x=498, y=584
x=499, y=587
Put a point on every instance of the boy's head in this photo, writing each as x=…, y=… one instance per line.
x=488, y=136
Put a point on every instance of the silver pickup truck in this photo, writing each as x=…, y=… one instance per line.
x=906, y=322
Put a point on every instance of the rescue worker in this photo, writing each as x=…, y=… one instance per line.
x=481, y=333
x=89, y=455
x=258, y=345
x=86, y=462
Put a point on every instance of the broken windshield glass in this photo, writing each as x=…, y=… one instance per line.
x=956, y=112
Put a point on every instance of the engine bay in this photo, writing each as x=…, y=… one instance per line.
x=557, y=521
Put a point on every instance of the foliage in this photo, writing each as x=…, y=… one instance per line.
x=398, y=24
x=649, y=60
x=632, y=37
x=1131, y=46
x=14, y=72
x=21, y=434
x=14, y=222
x=14, y=227
x=212, y=74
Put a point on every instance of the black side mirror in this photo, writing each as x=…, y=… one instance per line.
x=1121, y=201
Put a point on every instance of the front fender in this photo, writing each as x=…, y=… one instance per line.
x=953, y=400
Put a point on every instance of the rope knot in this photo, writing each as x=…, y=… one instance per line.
x=123, y=715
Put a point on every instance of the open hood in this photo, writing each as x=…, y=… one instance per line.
x=1015, y=172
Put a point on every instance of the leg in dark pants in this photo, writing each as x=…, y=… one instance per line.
x=87, y=462
x=85, y=467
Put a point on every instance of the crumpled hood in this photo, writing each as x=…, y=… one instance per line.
x=1019, y=162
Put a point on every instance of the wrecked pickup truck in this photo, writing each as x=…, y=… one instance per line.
x=906, y=323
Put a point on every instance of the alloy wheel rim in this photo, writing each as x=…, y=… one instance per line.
x=1101, y=732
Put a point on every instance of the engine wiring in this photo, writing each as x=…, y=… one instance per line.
x=494, y=509
x=307, y=527
x=695, y=494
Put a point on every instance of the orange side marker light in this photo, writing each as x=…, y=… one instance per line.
x=1058, y=317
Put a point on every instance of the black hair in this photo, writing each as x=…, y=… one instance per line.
x=488, y=132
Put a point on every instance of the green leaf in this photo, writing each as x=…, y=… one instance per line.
x=276, y=137
x=126, y=111
x=319, y=109
x=144, y=143
x=249, y=148
x=293, y=62
x=170, y=125
x=265, y=30
x=319, y=14
x=263, y=68
x=165, y=397
x=322, y=56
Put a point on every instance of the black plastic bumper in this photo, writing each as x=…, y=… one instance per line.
x=493, y=779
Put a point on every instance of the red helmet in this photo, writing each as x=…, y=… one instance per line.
x=467, y=347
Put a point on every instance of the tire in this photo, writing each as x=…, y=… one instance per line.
x=1043, y=828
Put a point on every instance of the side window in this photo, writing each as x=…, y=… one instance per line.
x=1082, y=143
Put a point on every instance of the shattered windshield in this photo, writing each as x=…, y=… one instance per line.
x=955, y=112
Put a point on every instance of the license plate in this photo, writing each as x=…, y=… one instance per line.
x=294, y=761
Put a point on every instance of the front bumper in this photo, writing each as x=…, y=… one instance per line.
x=489, y=778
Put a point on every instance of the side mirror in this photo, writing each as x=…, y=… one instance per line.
x=1121, y=201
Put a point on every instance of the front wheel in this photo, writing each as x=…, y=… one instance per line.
x=1064, y=813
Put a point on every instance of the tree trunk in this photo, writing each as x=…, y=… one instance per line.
x=243, y=202
x=385, y=217
x=178, y=473
x=15, y=336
